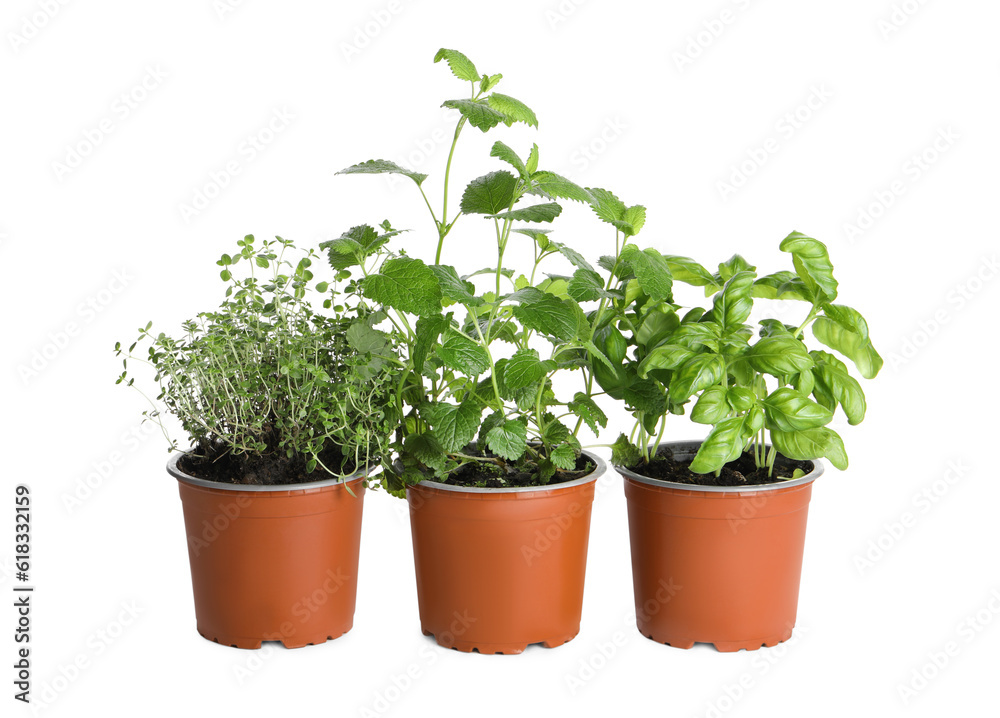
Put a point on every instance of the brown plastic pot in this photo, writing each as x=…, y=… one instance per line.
x=717, y=564
x=272, y=563
x=499, y=569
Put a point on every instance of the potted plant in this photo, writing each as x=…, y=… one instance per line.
x=488, y=456
x=286, y=412
x=722, y=521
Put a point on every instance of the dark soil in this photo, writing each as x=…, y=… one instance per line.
x=499, y=474
x=742, y=472
x=273, y=469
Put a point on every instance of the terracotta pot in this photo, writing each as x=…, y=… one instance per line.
x=272, y=563
x=716, y=564
x=499, y=569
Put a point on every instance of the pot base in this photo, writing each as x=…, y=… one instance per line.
x=496, y=648
x=753, y=644
x=252, y=644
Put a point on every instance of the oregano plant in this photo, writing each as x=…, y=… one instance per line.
x=270, y=389
x=760, y=388
x=478, y=361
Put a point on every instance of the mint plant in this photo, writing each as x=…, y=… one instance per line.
x=268, y=389
x=765, y=396
x=478, y=364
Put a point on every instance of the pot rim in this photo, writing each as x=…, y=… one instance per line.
x=692, y=446
x=174, y=471
x=600, y=467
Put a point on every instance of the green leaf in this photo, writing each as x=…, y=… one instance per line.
x=532, y=164
x=379, y=167
x=811, y=444
x=493, y=420
x=733, y=304
x=838, y=387
x=367, y=340
x=587, y=409
x=536, y=213
x=788, y=410
x=733, y=266
x=712, y=406
x=722, y=445
x=587, y=285
x=427, y=450
x=812, y=264
x=624, y=453
x=780, y=356
x=427, y=331
x=646, y=396
x=509, y=440
x=697, y=373
x=489, y=194
x=513, y=110
x=610, y=209
x=454, y=425
x=564, y=456
x=455, y=288
x=525, y=369
x=665, y=356
x=461, y=66
x=685, y=269
x=463, y=354
x=549, y=316
x=845, y=330
x=509, y=156
x=354, y=245
x=477, y=112
x=651, y=271
x=489, y=82
x=741, y=398
x=539, y=235
x=405, y=284
x=781, y=285
x=549, y=184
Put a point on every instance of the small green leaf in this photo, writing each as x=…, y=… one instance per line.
x=454, y=425
x=588, y=410
x=509, y=156
x=525, y=369
x=780, y=356
x=405, y=284
x=461, y=66
x=685, y=269
x=427, y=450
x=463, y=354
x=812, y=264
x=624, y=453
x=781, y=285
x=376, y=167
x=712, y=406
x=513, y=110
x=564, y=456
x=489, y=194
x=845, y=330
x=651, y=270
x=549, y=184
x=455, y=288
x=532, y=164
x=665, y=356
x=509, y=440
x=733, y=304
x=478, y=113
x=428, y=330
x=697, y=373
x=536, y=213
x=722, y=445
x=788, y=410
x=549, y=316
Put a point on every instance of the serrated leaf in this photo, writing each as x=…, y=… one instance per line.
x=427, y=450
x=549, y=316
x=477, y=112
x=505, y=153
x=509, y=440
x=489, y=194
x=454, y=425
x=405, y=284
x=455, y=288
x=586, y=285
x=513, y=110
x=379, y=167
x=532, y=163
x=564, y=456
x=463, y=354
x=428, y=330
x=624, y=453
x=587, y=409
x=525, y=368
x=549, y=184
x=536, y=213
x=461, y=66
x=646, y=396
x=651, y=271
x=367, y=340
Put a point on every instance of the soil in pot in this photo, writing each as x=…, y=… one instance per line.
x=500, y=474
x=741, y=472
x=271, y=468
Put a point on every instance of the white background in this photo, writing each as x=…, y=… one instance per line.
x=667, y=110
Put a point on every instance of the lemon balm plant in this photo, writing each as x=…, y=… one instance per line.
x=474, y=369
x=286, y=406
x=750, y=384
